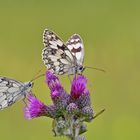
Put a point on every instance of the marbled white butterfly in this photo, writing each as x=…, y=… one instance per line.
x=12, y=90
x=63, y=58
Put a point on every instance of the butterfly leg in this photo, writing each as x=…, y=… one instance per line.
x=33, y=94
x=69, y=78
x=24, y=100
x=75, y=75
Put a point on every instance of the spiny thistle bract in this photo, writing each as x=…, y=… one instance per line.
x=69, y=111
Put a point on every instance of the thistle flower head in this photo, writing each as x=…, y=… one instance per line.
x=36, y=108
x=59, y=96
x=83, y=100
x=53, y=81
x=78, y=86
x=67, y=110
x=79, y=93
x=88, y=113
x=55, y=95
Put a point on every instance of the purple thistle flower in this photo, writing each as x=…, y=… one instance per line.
x=55, y=95
x=59, y=96
x=53, y=81
x=78, y=86
x=69, y=112
x=36, y=108
x=60, y=99
x=79, y=93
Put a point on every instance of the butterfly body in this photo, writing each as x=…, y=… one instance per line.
x=63, y=58
x=27, y=86
x=76, y=70
x=12, y=91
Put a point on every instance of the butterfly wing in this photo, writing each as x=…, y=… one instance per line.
x=76, y=47
x=9, y=92
x=56, y=56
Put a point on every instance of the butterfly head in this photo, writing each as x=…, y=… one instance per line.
x=80, y=69
x=29, y=85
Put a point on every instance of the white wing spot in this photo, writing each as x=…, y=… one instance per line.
x=5, y=82
x=2, y=98
x=70, y=47
x=4, y=103
x=60, y=43
x=56, y=63
x=3, y=89
x=78, y=55
x=64, y=61
x=57, y=68
x=78, y=45
x=60, y=51
x=13, y=89
x=15, y=85
x=54, y=47
x=69, y=55
x=49, y=66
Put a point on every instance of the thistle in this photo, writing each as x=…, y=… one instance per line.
x=68, y=111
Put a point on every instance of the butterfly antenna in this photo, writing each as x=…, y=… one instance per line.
x=95, y=68
x=37, y=77
x=99, y=113
x=37, y=73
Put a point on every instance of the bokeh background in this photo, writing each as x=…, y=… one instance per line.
x=111, y=33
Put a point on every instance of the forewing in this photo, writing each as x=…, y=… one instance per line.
x=9, y=92
x=75, y=45
x=56, y=56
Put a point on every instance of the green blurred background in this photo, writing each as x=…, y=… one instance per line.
x=111, y=33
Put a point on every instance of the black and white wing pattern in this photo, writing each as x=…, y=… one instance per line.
x=75, y=45
x=59, y=57
x=11, y=91
x=56, y=56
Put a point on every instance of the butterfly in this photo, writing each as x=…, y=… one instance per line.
x=63, y=58
x=12, y=91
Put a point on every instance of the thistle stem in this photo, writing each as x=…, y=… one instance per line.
x=75, y=127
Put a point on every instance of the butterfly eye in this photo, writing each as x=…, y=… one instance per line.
x=81, y=68
x=30, y=84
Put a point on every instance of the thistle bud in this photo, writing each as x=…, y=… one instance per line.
x=72, y=108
